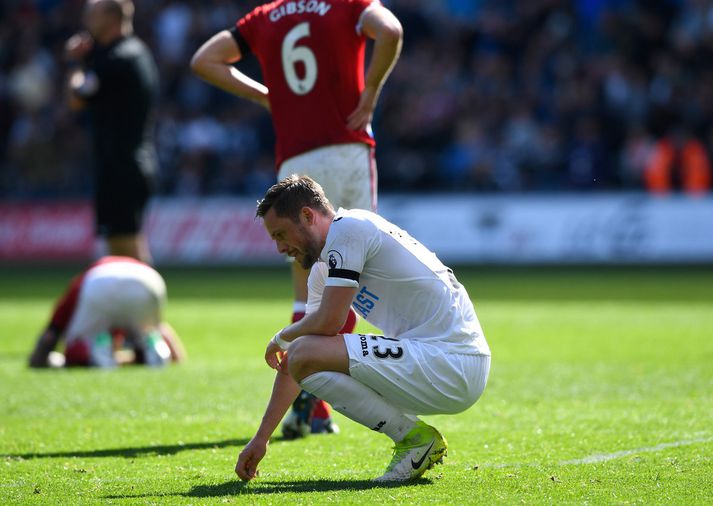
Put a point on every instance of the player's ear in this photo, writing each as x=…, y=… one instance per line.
x=307, y=215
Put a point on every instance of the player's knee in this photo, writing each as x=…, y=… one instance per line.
x=301, y=358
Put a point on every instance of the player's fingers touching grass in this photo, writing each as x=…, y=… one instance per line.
x=249, y=458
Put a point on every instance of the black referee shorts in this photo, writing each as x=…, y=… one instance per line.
x=120, y=207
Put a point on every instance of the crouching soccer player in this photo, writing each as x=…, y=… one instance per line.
x=117, y=301
x=432, y=358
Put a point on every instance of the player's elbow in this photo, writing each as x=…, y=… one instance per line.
x=335, y=324
x=396, y=31
x=331, y=324
x=202, y=63
x=220, y=50
x=391, y=31
x=198, y=64
x=333, y=329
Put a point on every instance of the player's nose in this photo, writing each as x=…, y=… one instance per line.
x=281, y=247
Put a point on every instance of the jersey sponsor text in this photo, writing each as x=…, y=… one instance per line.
x=365, y=301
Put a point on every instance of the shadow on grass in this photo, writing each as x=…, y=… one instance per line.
x=132, y=452
x=259, y=487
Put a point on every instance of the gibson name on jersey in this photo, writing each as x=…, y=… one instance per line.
x=299, y=7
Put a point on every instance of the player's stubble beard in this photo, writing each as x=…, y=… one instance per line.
x=311, y=250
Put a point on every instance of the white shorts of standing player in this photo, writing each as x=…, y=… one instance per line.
x=127, y=296
x=346, y=172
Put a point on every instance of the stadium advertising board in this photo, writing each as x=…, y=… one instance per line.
x=628, y=228
x=218, y=230
x=46, y=231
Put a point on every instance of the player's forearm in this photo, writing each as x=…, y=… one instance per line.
x=387, y=48
x=284, y=392
x=178, y=351
x=328, y=319
x=319, y=323
x=231, y=80
x=45, y=344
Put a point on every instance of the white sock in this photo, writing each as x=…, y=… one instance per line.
x=299, y=306
x=359, y=402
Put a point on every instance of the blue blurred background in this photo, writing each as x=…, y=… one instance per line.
x=505, y=97
x=490, y=96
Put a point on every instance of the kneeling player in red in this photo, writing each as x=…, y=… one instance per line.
x=110, y=315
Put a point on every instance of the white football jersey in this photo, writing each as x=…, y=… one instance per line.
x=404, y=289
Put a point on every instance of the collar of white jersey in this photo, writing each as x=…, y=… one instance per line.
x=337, y=215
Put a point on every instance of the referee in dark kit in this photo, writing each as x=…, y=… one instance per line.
x=116, y=78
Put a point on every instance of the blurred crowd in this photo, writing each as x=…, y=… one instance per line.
x=489, y=95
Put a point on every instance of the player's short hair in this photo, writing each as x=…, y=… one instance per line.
x=290, y=195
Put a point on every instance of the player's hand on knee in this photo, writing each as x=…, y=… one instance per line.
x=249, y=458
x=274, y=355
x=284, y=365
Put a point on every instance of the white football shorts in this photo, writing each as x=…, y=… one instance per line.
x=130, y=300
x=346, y=172
x=420, y=378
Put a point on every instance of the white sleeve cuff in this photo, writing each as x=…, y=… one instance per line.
x=342, y=282
x=284, y=345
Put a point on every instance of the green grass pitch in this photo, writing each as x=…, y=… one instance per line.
x=601, y=392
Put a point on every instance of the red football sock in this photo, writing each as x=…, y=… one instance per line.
x=321, y=410
x=298, y=310
x=118, y=337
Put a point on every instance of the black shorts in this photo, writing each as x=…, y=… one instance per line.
x=120, y=207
